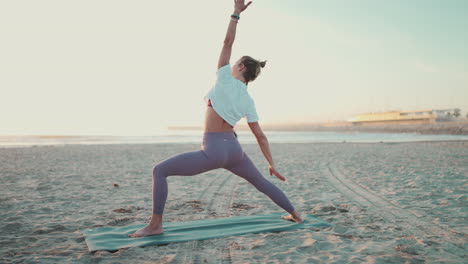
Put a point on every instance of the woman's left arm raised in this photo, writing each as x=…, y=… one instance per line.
x=239, y=7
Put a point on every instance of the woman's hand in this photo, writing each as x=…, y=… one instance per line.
x=277, y=174
x=240, y=6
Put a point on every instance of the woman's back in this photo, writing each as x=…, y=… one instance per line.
x=214, y=122
x=228, y=101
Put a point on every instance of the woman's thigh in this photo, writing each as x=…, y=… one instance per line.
x=247, y=170
x=187, y=164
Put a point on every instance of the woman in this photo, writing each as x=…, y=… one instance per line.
x=228, y=101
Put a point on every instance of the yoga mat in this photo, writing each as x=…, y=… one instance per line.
x=114, y=238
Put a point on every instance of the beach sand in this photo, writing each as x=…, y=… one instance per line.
x=388, y=202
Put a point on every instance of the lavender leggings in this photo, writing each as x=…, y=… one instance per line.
x=219, y=150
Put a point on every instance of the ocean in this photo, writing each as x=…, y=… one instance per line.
x=245, y=137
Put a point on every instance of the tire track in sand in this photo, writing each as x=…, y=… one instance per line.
x=221, y=208
x=389, y=211
x=218, y=198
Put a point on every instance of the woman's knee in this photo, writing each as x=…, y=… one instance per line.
x=158, y=170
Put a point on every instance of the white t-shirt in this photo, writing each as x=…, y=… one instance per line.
x=230, y=99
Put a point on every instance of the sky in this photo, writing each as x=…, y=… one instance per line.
x=135, y=67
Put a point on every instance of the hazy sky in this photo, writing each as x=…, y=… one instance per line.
x=135, y=67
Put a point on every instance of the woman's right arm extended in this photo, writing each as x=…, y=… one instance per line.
x=239, y=7
x=262, y=141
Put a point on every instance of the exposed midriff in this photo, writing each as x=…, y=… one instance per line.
x=214, y=122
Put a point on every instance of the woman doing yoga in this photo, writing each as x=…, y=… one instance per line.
x=228, y=101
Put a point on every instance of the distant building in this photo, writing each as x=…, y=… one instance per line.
x=403, y=117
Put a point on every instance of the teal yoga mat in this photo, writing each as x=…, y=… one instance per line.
x=114, y=238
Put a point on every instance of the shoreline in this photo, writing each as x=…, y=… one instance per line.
x=441, y=128
x=245, y=137
x=166, y=144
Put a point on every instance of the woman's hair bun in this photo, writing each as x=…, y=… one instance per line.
x=262, y=63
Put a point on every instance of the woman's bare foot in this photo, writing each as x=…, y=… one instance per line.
x=147, y=231
x=154, y=227
x=294, y=216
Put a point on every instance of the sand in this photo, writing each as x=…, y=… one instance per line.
x=388, y=202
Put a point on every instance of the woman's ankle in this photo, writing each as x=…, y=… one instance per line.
x=295, y=214
x=156, y=220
